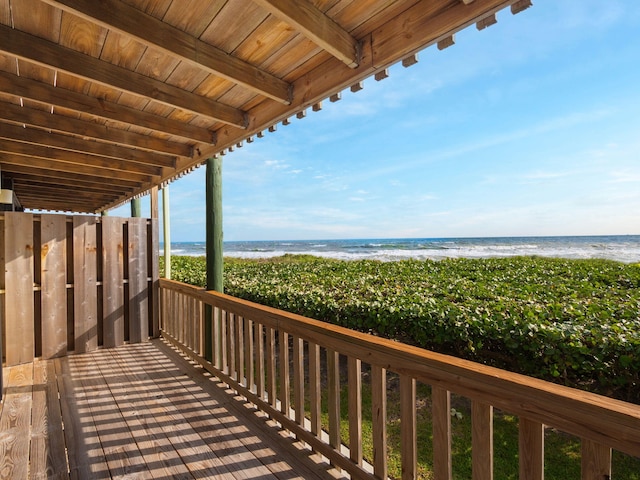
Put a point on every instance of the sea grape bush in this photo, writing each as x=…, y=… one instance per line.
x=576, y=322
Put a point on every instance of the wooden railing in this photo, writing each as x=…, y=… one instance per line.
x=269, y=356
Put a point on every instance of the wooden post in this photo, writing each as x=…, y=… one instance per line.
x=214, y=243
x=166, y=235
x=136, y=209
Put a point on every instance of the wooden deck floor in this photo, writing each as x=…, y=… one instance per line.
x=138, y=411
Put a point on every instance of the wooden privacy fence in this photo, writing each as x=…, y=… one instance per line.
x=75, y=283
x=270, y=357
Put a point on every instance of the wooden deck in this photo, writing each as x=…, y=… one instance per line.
x=138, y=411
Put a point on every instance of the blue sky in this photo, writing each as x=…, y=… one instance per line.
x=529, y=127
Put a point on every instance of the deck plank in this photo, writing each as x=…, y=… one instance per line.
x=136, y=412
x=15, y=423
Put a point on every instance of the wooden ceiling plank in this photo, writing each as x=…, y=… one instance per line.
x=39, y=180
x=49, y=54
x=306, y=18
x=76, y=144
x=59, y=123
x=55, y=154
x=126, y=19
x=60, y=166
x=126, y=186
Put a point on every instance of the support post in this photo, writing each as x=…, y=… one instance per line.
x=136, y=209
x=166, y=232
x=214, y=243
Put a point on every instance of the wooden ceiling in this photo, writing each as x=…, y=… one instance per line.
x=101, y=100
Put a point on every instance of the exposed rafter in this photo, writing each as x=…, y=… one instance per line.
x=315, y=25
x=117, y=15
x=77, y=145
x=59, y=123
x=51, y=95
x=49, y=54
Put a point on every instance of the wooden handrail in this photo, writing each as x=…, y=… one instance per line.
x=602, y=423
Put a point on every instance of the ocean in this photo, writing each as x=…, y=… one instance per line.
x=623, y=248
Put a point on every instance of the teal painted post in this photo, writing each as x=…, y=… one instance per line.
x=214, y=244
x=136, y=209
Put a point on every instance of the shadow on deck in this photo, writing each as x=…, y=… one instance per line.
x=138, y=411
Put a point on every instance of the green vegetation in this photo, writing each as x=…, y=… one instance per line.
x=572, y=322
x=575, y=322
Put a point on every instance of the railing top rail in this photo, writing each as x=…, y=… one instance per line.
x=607, y=421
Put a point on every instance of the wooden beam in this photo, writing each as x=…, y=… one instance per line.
x=21, y=178
x=60, y=123
x=26, y=149
x=319, y=28
x=123, y=184
x=60, y=166
x=119, y=16
x=20, y=181
x=49, y=54
x=51, y=95
x=76, y=144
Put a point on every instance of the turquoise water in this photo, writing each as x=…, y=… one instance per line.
x=624, y=248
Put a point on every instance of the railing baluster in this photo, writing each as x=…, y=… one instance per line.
x=354, y=379
x=249, y=358
x=200, y=328
x=596, y=461
x=379, y=427
x=231, y=344
x=239, y=345
x=408, y=427
x=259, y=341
x=441, y=411
x=285, y=387
x=271, y=367
x=216, y=340
x=482, y=440
x=224, y=365
x=298, y=379
x=531, y=450
x=314, y=388
x=333, y=397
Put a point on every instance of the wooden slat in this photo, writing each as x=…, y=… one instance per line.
x=314, y=24
x=284, y=371
x=531, y=449
x=441, y=411
x=138, y=285
x=49, y=54
x=596, y=461
x=19, y=309
x=298, y=379
x=408, y=427
x=249, y=354
x=333, y=397
x=60, y=123
x=53, y=234
x=47, y=458
x=85, y=298
x=117, y=15
x=354, y=379
x=112, y=281
x=41, y=92
x=314, y=388
x=39, y=151
x=271, y=367
x=482, y=440
x=259, y=343
x=79, y=145
x=15, y=423
x=379, y=420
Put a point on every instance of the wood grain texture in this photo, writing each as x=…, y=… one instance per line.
x=379, y=419
x=53, y=295
x=595, y=461
x=441, y=412
x=354, y=379
x=408, y=428
x=333, y=397
x=531, y=449
x=482, y=441
x=138, y=283
x=19, y=308
x=112, y=281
